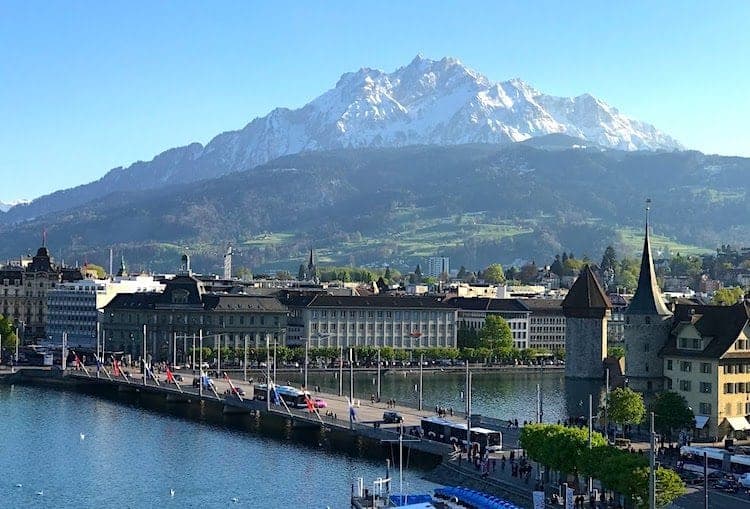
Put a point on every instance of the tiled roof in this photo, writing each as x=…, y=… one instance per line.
x=379, y=301
x=721, y=323
x=586, y=293
x=489, y=304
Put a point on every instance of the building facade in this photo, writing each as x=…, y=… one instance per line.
x=546, y=324
x=473, y=311
x=74, y=307
x=437, y=265
x=185, y=309
x=399, y=322
x=706, y=359
x=23, y=292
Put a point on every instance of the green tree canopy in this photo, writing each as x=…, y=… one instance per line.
x=625, y=406
x=8, y=333
x=671, y=412
x=618, y=352
x=494, y=274
x=728, y=296
x=496, y=333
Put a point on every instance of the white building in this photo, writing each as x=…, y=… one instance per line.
x=74, y=307
x=398, y=322
x=473, y=311
x=437, y=265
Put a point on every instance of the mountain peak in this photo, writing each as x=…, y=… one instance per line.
x=427, y=102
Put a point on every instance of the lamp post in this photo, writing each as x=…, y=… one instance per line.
x=652, y=465
x=591, y=398
x=200, y=363
x=341, y=370
x=378, y=373
x=421, y=364
x=244, y=361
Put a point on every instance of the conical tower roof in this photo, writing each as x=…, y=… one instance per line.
x=586, y=298
x=647, y=299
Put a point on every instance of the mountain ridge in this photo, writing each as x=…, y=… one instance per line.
x=431, y=102
x=477, y=203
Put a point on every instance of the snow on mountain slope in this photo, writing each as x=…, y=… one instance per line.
x=430, y=102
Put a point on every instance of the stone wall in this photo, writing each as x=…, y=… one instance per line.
x=585, y=347
x=643, y=340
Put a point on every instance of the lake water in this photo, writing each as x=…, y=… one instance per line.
x=131, y=457
x=503, y=395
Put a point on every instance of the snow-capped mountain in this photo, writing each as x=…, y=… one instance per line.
x=430, y=102
x=6, y=206
x=434, y=102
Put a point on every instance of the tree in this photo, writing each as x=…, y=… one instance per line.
x=387, y=275
x=617, y=352
x=496, y=333
x=625, y=406
x=494, y=274
x=418, y=273
x=728, y=296
x=243, y=273
x=609, y=260
x=8, y=333
x=467, y=336
x=284, y=275
x=557, y=267
x=461, y=273
x=96, y=269
x=671, y=412
x=301, y=273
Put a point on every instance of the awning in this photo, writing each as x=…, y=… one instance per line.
x=738, y=423
x=700, y=421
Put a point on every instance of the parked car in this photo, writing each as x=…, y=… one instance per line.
x=689, y=477
x=236, y=390
x=745, y=480
x=320, y=403
x=728, y=485
x=392, y=418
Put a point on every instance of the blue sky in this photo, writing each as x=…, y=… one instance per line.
x=88, y=86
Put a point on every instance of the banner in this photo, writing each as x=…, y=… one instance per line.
x=538, y=497
x=569, y=498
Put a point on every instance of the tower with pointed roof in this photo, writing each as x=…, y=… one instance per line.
x=587, y=310
x=647, y=325
x=312, y=271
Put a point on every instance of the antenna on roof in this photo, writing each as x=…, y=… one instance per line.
x=648, y=208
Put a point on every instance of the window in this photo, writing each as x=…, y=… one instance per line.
x=705, y=387
x=705, y=408
x=646, y=347
x=669, y=364
x=683, y=342
x=669, y=384
x=685, y=385
x=728, y=388
x=705, y=367
x=697, y=344
x=686, y=366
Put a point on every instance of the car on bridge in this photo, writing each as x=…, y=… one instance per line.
x=392, y=418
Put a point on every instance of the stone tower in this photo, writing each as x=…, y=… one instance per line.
x=587, y=309
x=647, y=326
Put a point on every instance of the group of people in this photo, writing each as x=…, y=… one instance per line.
x=391, y=403
x=442, y=411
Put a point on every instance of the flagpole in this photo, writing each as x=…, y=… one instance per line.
x=174, y=350
x=200, y=363
x=98, y=351
x=244, y=361
x=192, y=357
x=144, y=354
x=268, y=373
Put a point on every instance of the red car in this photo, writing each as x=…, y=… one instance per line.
x=320, y=403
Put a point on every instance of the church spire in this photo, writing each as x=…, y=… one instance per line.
x=647, y=299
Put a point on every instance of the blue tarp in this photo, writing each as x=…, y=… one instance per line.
x=402, y=500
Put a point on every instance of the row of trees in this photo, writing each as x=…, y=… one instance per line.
x=369, y=354
x=565, y=449
x=671, y=411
